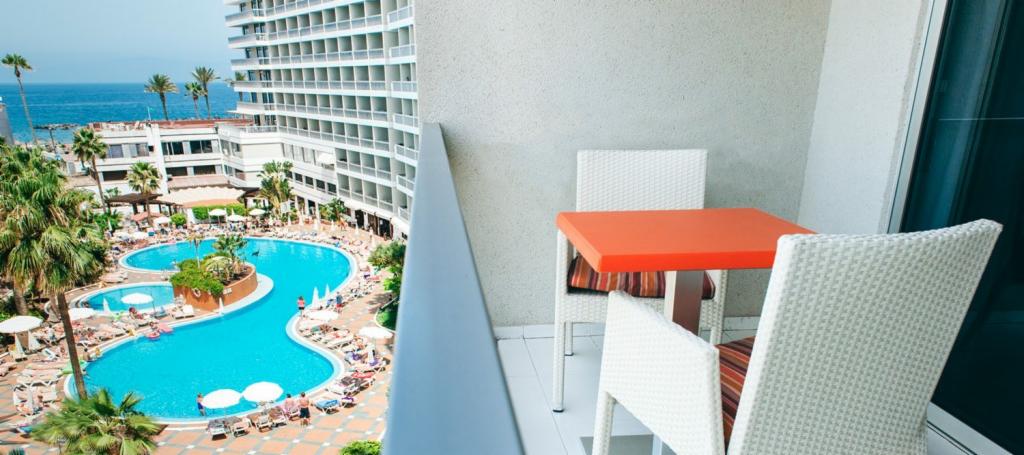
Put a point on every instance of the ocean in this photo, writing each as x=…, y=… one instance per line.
x=84, y=103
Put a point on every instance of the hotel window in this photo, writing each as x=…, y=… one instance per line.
x=204, y=170
x=114, y=176
x=173, y=148
x=201, y=146
x=115, y=151
x=177, y=171
x=141, y=149
x=332, y=188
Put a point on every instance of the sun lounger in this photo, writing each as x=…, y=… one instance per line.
x=240, y=428
x=278, y=416
x=188, y=311
x=50, y=395
x=216, y=428
x=328, y=406
x=263, y=421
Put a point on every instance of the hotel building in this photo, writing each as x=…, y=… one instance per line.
x=334, y=83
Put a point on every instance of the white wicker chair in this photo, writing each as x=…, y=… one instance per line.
x=853, y=336
x=609, y=180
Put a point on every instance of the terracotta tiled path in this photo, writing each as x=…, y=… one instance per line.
x=326, y=435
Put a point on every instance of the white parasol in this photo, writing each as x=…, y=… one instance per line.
x=161, y=220
x=222, y=398
x=262, y=392
x=235, y=218
x=316, y=298
x=257, y=212
x=19, y=324
x=136, y=298
x=218, y=212
x=322, y=315
x=375, y=333
x=77, y=314
x=139, y=235
x=106, y=306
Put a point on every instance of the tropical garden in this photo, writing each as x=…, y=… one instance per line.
x=51, y=243
x=389, y=257
x=216, y=270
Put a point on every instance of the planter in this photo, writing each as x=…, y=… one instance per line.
x=233, y=292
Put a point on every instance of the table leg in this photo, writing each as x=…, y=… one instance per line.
x=683, y=290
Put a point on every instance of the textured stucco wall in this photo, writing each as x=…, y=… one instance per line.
x=868, y=75
x=519, y=87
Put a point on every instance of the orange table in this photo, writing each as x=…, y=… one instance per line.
x=682, y=243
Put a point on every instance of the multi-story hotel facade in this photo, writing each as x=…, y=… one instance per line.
x=334, y=83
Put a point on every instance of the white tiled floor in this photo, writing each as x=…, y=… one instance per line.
x=526, y=358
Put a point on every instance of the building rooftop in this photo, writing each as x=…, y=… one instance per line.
x=166, y=124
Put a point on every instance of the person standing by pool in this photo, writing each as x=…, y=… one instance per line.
x=199, y=404
x=302, y=304
x=304, y=409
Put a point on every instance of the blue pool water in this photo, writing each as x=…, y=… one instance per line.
x=163, y=294
x=232, y=351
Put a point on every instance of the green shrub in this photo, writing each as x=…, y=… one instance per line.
x=388, y=316
x=179, y=219
x=191, y=276
x=361, y=448
x=201, y=213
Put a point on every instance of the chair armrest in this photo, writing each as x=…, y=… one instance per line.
x=663, y=374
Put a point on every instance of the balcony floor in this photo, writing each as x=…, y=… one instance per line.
x=526, y=358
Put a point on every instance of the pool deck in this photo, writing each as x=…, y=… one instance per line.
x=326, y=434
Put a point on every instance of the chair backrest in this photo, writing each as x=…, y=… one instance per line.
x=640, y=179
x=853, y=336
x=666, y=376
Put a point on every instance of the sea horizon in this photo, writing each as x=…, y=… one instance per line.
x=81, y=103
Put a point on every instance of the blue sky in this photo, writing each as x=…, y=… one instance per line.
x=114, y=40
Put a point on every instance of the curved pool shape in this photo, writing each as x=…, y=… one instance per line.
x=230, y=351
x=163, y=294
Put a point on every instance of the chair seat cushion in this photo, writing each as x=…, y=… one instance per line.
x=733, y=360
x=637, y=284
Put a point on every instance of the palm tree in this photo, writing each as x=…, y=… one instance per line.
x=333, y=211
x=229, y=246
x=161, y=85
x=203, y=77
x=18, y=166
x=88, y=148
x=20, y=64
x=97, y=425
x=195, y=239
x=195, y=90
x=238, y=77
x=47, y=241
x=144, y=179
x=274, y=186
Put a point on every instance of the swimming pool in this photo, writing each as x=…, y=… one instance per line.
x=230, y=351
x=162, y=293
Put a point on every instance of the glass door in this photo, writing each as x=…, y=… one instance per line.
x=970, y=164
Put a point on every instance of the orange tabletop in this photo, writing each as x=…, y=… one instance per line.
x=676, y=240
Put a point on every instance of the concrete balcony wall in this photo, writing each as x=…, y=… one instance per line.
x=738, y=78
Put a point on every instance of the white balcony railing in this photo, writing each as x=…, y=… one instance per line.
x=327, y=57
x=279, y=9
x=403, y=213
x=402, y=51
x=403, y=86
x=360, y=197
x=349, y=114
x=447, y=314
x=407, y=152
x=364, y=170
x=406, y=183
x=314, y=85
x=400, y=14
x=407, y=120
x=336, y=138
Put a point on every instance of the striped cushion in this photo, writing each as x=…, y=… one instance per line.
x=733, y=358
x=637, y=284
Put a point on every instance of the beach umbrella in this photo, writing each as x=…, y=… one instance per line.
x=20, y=324
x=136, y=298
x=140, y=235
x=77, y=314
x=262, y=392
x=161, y=220
x=322, y=315
x=221, y=399
x=375, y=333
x=316, y=298
x=235, y=218
x=106, y=306
x=257, y=212
x=218, y=212
x=327, y=291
